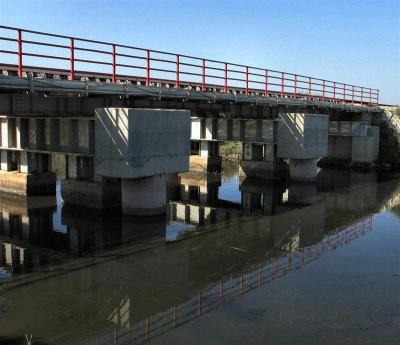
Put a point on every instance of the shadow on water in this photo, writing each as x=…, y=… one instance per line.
x=101, y=275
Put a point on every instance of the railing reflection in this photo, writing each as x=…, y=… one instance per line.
x=227, y=291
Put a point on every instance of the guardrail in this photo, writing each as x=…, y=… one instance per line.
x=80, y=57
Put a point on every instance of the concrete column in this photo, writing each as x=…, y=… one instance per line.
x=44, y=162
x=55, y=135
x=208, y=158
x=22, y=133
x=25, y=163
x=64, y=135
x=73, y=136
x=32, y=143
x=5, y=157
x=25, y=226
x=237, y=130
x=144, y=196
x=85, y=136
x=3, y=132
x=303, y=169
x=251, y=130
x=72, y=169
x=260, y=161
x=195, y=132
x=2, y=254
x=209, y=129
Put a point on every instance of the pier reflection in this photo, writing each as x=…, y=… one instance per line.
x=121, y=277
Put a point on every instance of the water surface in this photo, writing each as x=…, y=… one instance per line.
x=234, y=261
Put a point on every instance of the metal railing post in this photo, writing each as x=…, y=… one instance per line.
x=177, y=72
x=295, y=85
x=20, y=53
x=203, y=86
x=247, y=80
x=148, y=69
x=334, y=92
x=323, y=90
x=344, y=93
x=362, y=95
x=266, y=83
x=377, y=96
x=226, y=78
x=309, y=88
x=352, y=95
x=72, y=59
x=370, y=96
x=283, y=84
x=114, y=65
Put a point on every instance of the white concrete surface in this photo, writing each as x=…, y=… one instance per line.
x=133, y=143
x=302, y=136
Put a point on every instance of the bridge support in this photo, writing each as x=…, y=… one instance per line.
x=303, y=170
x=146, y=196
x=303, y=139
x=103, y=193
x=26, y=173
x=206, y=157
x=260, y=161
x=140, y=146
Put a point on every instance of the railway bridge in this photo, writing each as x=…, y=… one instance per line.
x=120, y=115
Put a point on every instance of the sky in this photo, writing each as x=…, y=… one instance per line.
x=352, y=41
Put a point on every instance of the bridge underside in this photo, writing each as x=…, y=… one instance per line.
x=165, y=91
x=45, y=119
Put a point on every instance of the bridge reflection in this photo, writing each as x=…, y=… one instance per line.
x=118, y=278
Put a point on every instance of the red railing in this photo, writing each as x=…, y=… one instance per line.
x=80, y=57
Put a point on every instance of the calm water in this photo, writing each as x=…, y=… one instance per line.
x=234, y=261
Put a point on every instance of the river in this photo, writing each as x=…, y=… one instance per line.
x=234, y=261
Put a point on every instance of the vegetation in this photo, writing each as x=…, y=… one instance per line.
x=230, y=148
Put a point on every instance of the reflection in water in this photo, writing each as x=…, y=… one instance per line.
x=99, y=275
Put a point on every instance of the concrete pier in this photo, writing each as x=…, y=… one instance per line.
x=144, y=196
x=303, y=170
x=101, y=194
x=140, y=146
x=303, y=139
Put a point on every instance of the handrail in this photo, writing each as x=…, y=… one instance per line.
x=201, y=73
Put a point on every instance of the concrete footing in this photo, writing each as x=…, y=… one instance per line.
x=261, y=170
x=303, y=170
x=28, y=184
x=146, y=196
x=98, y=195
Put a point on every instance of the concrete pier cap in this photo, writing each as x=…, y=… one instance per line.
x=303, y=139
x=140, y=146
